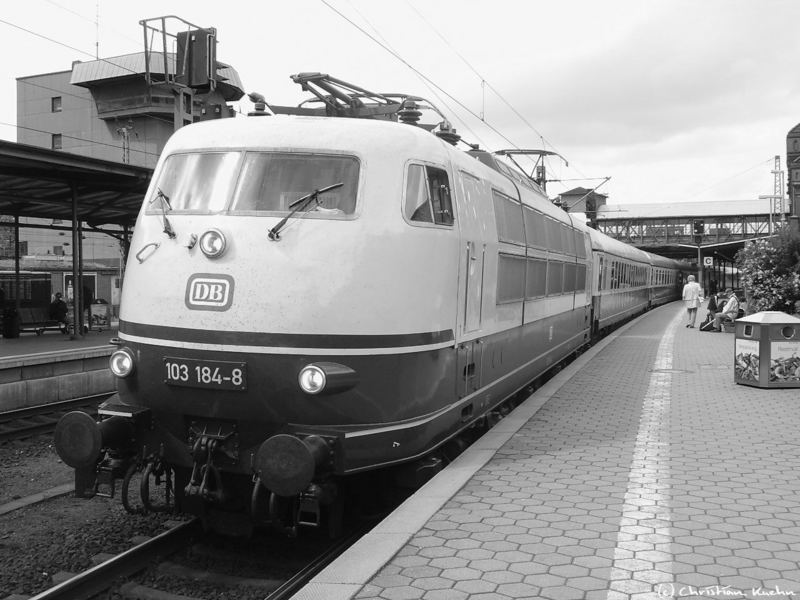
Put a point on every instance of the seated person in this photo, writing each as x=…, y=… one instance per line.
x=58, y=309
x=729, y=312
x=711, y=309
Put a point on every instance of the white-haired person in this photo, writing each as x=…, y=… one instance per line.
x=692, y=297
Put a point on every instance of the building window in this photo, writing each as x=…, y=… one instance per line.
x=56, y=141
x=55, y=104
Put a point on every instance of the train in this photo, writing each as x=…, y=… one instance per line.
x=310, y=299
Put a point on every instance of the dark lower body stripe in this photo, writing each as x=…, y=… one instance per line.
x=284, y=340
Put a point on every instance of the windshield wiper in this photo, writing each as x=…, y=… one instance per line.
x=164, y=201
x=300, y=204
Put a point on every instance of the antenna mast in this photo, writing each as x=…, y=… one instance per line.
x=778, y=189
x=97, y=30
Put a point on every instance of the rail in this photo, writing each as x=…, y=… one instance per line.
x=99, y=578
x=27, y=422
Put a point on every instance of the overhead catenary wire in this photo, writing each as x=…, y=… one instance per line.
x=439, y=98
x=734, y=176
x=417, y=71
x=483, y=80
x=486, y=83
x=72, y=137
x=432, y=83
x=65, y=45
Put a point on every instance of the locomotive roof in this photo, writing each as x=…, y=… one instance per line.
x=366, y=137
x=362, y=136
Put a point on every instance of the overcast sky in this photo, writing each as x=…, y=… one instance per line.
x=675, y=100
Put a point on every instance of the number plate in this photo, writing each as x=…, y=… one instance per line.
x=207, y=374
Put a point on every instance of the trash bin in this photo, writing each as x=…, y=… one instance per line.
x=767, y=350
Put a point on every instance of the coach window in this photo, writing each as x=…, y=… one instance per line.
x=428, y=197
x=570, y=270
x=580, y=277
x=536, y=278
x=510, y=278
x=555, y=278
x=567, y=240
x=509, y=219
x=553, y=234
x=580, y=249
x=534, y=228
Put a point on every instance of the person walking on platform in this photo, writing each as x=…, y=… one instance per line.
x=692, y=297
x=729, y=312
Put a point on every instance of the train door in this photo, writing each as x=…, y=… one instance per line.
x=598, y=284
x=472, y=263
x=473, y=254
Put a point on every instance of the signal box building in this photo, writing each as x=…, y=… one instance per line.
x=120, y=108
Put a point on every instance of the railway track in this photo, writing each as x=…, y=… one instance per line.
x=99, y=578
x=28, y=422
x=156, y=560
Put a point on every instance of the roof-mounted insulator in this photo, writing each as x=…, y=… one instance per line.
x=448, y=133
x=259, y=106
x=410, y=113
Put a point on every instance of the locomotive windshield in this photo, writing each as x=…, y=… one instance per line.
x=255, y=182
x=272, y=182
x=196, y=182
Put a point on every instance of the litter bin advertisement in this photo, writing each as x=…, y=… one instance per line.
x=747, y=367
x=767, y=350
x=785, y=361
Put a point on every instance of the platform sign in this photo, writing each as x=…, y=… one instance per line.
x=708, y=261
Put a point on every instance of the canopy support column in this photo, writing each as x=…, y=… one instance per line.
x=77, y=313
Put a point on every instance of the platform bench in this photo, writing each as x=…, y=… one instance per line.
x=37, y=320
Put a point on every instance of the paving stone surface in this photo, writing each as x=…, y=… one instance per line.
x=650, y=474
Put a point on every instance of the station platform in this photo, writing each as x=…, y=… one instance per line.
x=53, y=341
x=40, y=369
x=641, y=471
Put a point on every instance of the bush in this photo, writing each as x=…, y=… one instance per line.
x=770, y=270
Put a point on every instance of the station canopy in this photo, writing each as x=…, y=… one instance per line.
x=39, y=182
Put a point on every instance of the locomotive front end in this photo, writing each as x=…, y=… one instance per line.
x=255, y=366
x=211, y=364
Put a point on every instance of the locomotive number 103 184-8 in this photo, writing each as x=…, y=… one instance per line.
x=205, y=374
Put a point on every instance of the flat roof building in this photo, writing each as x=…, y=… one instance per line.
x=121, y=108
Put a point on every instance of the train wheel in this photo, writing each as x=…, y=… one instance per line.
x=133, y=472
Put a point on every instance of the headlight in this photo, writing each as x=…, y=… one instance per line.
x=212, y=243
x=312, y=379
x=326, y=378
x=121, y=362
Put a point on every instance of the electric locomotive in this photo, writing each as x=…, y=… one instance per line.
x=308, y=298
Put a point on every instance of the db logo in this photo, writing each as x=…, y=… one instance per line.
x=209, y=292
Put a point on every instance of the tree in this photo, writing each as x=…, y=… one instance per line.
x=770, y=271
